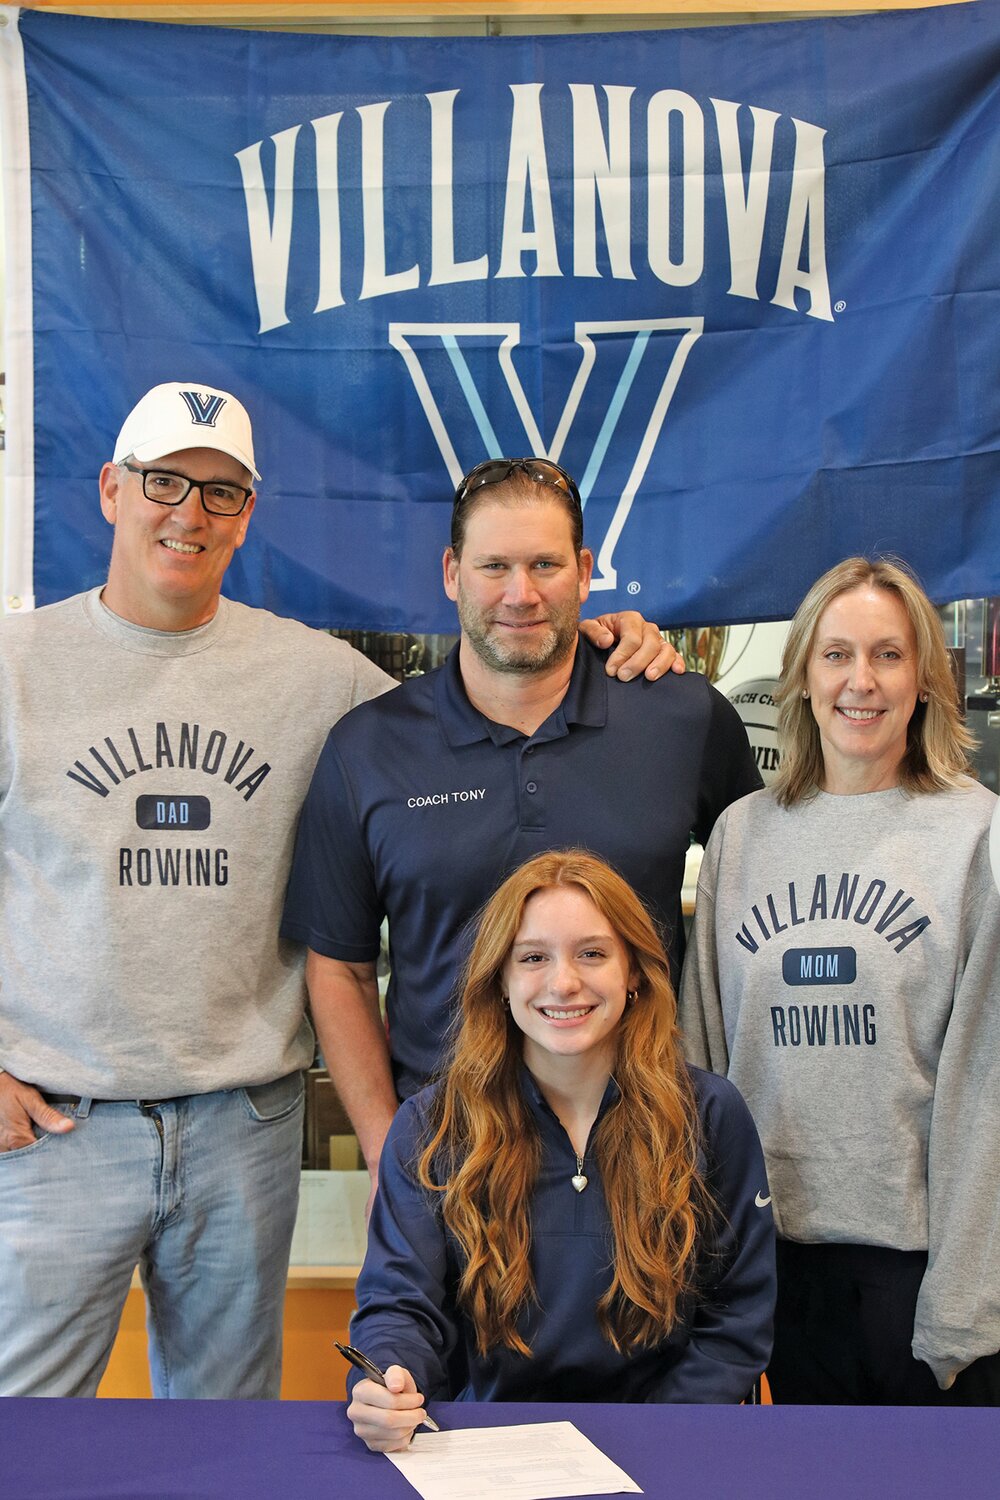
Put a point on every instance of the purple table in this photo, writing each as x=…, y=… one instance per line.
x=214, y=1450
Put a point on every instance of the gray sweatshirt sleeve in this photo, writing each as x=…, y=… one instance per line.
x=958, y=1310
x=699, y=1010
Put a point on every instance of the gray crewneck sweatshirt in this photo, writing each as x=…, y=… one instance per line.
x=149, y=787
x=845, y=972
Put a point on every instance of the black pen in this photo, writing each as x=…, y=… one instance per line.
x=363, y=1363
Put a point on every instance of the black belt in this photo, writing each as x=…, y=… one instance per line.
x=75, y=1099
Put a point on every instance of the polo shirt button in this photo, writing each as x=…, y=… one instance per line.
x=532, y=786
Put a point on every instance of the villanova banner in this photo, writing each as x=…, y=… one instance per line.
x=742, y=282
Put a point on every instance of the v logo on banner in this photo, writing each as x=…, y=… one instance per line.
x=473, y=415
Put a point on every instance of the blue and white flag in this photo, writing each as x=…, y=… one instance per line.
x=741, y=281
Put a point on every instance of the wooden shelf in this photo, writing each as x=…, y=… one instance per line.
x=406, y=12
x=323, y=1278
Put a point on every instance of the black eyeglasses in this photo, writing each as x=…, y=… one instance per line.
x=499, y=470
x=218, y=497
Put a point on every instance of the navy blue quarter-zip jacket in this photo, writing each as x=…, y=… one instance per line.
x=406, y=1291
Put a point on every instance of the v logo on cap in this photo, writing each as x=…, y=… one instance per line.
x=204, y=408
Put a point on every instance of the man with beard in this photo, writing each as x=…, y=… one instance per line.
x=425, y=800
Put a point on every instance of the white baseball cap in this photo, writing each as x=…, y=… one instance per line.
x=185, y=415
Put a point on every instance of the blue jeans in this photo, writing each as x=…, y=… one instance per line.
x=201, y=1194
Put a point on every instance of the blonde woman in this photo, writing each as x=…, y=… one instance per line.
x=572, y=1214
x=845, y=973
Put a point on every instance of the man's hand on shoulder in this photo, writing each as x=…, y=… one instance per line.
x=641, y=649
x=21, y=1108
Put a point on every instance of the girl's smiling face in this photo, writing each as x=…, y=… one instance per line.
x=566, y=976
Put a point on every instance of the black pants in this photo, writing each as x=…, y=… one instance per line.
x=843, y=1326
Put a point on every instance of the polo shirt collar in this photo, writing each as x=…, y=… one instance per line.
x=585, y=702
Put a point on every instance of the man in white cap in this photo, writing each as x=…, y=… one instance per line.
x=157, y=741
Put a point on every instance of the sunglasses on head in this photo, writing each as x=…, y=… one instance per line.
x=499, y=470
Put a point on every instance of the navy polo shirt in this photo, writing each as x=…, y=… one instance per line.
x=420, y=806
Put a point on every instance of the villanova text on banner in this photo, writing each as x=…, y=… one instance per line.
x=741, y=281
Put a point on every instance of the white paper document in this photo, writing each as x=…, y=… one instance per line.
x=536, y=1461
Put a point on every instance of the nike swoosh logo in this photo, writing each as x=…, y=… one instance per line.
x=762, y=1202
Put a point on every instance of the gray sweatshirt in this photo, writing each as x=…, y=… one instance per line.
x=845, y=972
x=150, y=783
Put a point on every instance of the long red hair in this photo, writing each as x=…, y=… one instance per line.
x=483, y=1151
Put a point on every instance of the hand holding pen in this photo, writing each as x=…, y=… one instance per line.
x=385, y=1408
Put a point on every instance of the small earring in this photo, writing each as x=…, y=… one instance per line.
x=924, y=697
x=631, y=996
x=805, y=692
x=505, y=999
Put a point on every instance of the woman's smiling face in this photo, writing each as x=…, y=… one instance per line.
x=862, y=686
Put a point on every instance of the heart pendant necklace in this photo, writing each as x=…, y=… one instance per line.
x=579, y=1181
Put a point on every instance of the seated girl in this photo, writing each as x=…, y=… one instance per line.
x=572, y=1213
